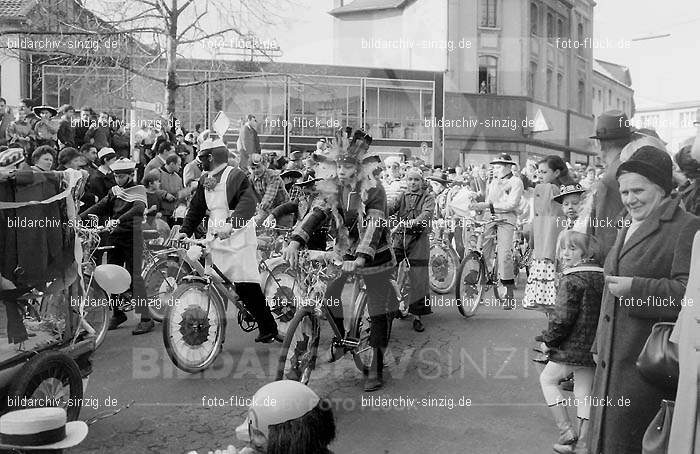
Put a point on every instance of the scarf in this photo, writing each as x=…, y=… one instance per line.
x=136, y=193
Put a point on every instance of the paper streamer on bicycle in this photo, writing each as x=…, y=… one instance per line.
x=236, y=256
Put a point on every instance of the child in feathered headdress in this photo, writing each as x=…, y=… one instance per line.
x=355, y=200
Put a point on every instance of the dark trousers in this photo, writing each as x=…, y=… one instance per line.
x=381, y=303
x=128, y=252
x=459, y=243
x=253, y=298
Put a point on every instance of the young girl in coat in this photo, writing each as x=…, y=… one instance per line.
x=570, y=334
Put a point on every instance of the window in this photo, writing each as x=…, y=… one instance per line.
x=581, y=96
x=600, y=96
x=580, y=38
x=560, y=90
x=488, y=67
x=686, y=120
x=531, y=80
x=534, y=19
x=318, y=103
x=560, y=29
x=609, y=97
x=488, y=13
x=550, y=85
x=624, y=106
x=618, y=103
x=397, y=109
x=550, y=25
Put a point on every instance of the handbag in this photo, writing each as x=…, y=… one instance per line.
x=658, y=360
x=658, y=434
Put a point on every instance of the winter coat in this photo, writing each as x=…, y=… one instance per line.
x=572, y=325
x=547, y=222
x=657, y=257
x=413, y=242
x=607, y=208
x=685, y=429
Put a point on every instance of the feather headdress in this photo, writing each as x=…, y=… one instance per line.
x=347, y=148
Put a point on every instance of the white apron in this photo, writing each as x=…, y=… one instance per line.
x=236, y=255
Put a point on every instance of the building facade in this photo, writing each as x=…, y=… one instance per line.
x=612, y=88
x=674, y=122
x=505, y=63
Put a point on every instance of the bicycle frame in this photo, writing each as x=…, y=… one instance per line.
x=312, y=275
x=223, y=287
x=491, y=271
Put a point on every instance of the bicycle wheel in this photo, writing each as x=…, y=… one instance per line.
x=443, y=265
x=194, y=327
x=360, y=330
x=51, y=379
x=297, y=358
x=162, y=277
x=470, y=284
x=97, y=311
x=282, y=293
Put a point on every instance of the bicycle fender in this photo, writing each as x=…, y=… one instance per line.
x=274, y=262
x=193, y=278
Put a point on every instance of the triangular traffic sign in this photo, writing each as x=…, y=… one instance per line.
x=540, y=124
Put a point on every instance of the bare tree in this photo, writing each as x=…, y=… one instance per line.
x=149, y=38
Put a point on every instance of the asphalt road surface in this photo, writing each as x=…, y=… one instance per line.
x=462, y=386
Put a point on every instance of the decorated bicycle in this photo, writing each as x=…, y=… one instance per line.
x=45, y=342
x=352, y=198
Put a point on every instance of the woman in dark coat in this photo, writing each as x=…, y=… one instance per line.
x=414, y=208
x=646, y=274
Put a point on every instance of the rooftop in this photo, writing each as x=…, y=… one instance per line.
x=361, y=6
x=614, y=71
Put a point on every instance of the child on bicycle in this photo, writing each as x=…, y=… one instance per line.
x=299, y=207
x=414, y=209
x=356, y=202
x=154, y=198
x=125, y=205
x=570, y=334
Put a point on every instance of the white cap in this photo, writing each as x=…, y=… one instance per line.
x=275, y=403
x=210, y=144
x=123, y=165
x=106, y=151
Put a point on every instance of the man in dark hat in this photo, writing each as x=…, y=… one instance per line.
x=299, y=207
x=296, y=159
x=290, y=177
x=228, y=195
x=124, y=205
x=503, y=201
x=613, y=133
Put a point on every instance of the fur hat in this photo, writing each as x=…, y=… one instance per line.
x=654, y=164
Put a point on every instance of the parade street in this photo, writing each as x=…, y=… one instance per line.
x=483, y=361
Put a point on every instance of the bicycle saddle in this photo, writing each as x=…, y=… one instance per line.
x=114, y=279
